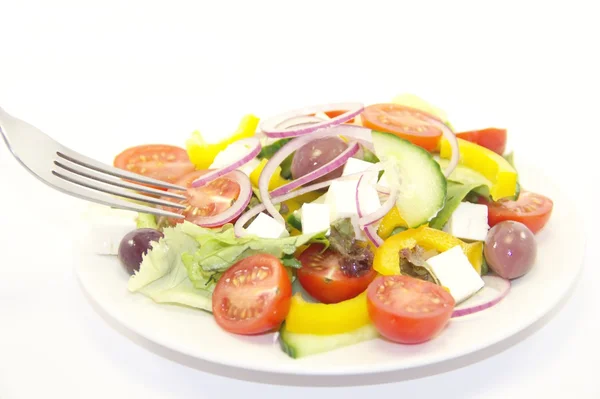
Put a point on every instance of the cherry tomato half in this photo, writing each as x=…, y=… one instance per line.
x=208, y=200
x=253, y=296
x=405, y=122
x=408, y=310
x=321, y=275
x=158, y=161
x=531, y=209
x=490, y=138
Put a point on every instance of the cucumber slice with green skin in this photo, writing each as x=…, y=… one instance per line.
x=294, y=220
x=415, y=173
x=301, y=345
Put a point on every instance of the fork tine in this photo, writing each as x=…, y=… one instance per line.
x=76, y=179
x=105, y=199
x=87, y=162
x=74, y=168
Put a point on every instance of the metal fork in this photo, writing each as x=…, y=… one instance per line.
x=83, y=177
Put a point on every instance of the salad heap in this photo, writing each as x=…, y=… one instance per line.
x=335, y=224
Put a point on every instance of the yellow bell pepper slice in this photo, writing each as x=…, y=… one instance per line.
x=389, y=222
x=276, y=180
x=327, y=319
x=387, y=257
x=493, y=166
x=202, y=154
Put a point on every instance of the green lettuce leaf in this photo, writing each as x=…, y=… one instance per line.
x=164, y=278
x=218, y=250
x=455, y=193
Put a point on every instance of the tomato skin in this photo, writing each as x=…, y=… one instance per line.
x=159, y=161
x=321, y=276
x=531, y=209
x=397, y=306
x=250, y=305
x=408, y=123
x=208, y=200
x=491, y=138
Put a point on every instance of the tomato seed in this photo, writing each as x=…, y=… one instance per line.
x=254, y=273
x=130, y=166
x=425, y=309
x=410, y=309
x=143, y=158
x=171, y=157
x=262, y=274
x=236, y=282
x=243, y=314
x=155, y=157
x=435, y=300
x=388, y=283
x=143, y=170
x=380, y=289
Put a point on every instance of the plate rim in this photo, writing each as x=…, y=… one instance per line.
x=356, y=369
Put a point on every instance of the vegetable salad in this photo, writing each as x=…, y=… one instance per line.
x=335, y=224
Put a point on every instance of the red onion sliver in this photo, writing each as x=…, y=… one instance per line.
x=271, y=126
x=302, y=120
x=255, y=147
x=237, y=207
x=291, y=146
x=387, y=206
x=370, y=232
x=478, y=302
x=239, y=225
x=334, y=164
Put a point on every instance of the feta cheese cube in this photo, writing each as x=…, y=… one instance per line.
x=105, y=227
x=265, y=226
x=234, y=151
x=354, y=165
x=315, y=218
x=455, y=272
x=341, y=197
x=469, y=222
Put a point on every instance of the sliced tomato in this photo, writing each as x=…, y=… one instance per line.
x=408, y=310
x=531, y=209
x=253, y=296
x=405, y=122
x=159, y=161
x=323, y=277
x=208, y=200
x=491, y=138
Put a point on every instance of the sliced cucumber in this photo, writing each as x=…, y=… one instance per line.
x=416, y=174
x=301, y=345
x=294, y=220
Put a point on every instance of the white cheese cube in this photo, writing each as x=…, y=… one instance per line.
x=455, y=272
x=234, y=152
x=105, y=227
x=315, y=218
x=469, y=222
x=341, y=197
x=354, y=166
x=265, y=226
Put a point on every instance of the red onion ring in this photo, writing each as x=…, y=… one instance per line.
x=237, y=207
x=332, y=165
x=302, y=120
x=271, y=127
x=451, y=137
x=239, y=224
x=291, y=146
x=370, y=232
x=500, y=286
x=387, y=206
x=253, y=142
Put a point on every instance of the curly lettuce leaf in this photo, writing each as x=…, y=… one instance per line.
x=163, y=276
x=218, y=250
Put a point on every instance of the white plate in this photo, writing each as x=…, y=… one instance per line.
x=194, y=333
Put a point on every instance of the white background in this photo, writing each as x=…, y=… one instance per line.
x=102, y=75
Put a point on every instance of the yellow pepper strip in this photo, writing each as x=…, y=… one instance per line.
x=202, y=154
x=389, y=222
x=493, y=166
x=387, y=256
x=327, y=319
